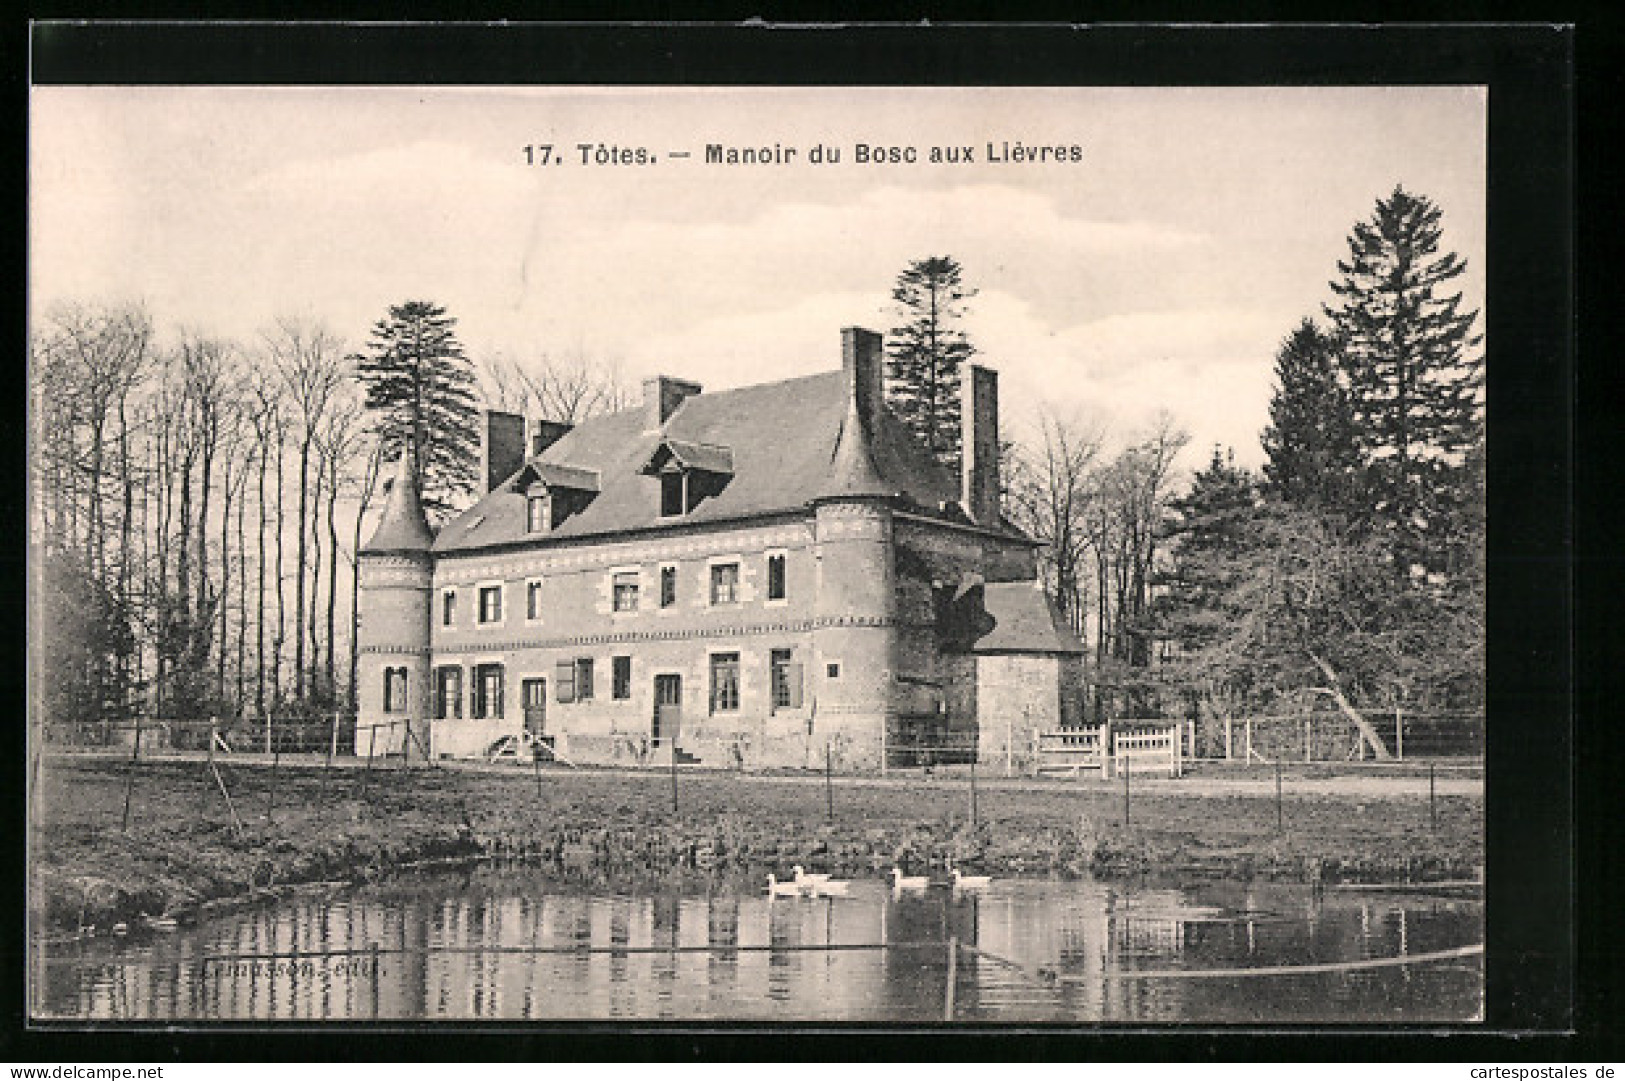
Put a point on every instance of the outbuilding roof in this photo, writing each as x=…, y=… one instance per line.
x=780, y=442
x=1024, y=621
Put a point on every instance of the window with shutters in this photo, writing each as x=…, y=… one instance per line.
x=621, y=678
x=725, y=583
x=625, y=591
x=786, y=679
x=533, y=600
x=724, y=682
x=583, y=679
x=776, y=584
x=668, y=586
x=448, y=607
x=564, y=681
x=448, y=692
x=487, y=703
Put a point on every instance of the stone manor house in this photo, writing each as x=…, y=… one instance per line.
x=758, y=577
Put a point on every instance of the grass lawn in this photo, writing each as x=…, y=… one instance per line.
x=620, y=829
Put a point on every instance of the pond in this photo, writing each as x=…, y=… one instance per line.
x=510, y=944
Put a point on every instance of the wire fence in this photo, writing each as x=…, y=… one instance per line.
x=333, y=733
x=1334, y=737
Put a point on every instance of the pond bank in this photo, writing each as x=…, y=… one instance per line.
x=182, y=850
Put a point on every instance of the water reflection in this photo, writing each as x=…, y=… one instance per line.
x=470, y=947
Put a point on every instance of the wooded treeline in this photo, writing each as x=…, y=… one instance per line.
x=198, y=502
x=1350, y=574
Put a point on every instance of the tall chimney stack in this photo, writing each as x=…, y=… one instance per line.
x=979, y=445
x=503, y=449
x=661, y=396
x=862, y=359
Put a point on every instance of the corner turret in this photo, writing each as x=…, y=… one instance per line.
x=397, y=576
x=403, y=527
x=855, y=611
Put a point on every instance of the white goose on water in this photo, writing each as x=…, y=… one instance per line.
x=808, y=880
x=775, y=888
x=970, y=882
x=900, y=881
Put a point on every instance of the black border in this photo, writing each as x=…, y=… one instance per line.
x=1529, y=69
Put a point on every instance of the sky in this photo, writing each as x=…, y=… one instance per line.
x=1159, y=272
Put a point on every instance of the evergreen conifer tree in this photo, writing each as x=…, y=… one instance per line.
x=420, y=387
x=1414, y=377
x=926, y=351
x=1210, y=531
x=1310, y=440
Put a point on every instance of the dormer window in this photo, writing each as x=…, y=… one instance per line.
x=552, y=493
x=689, y=473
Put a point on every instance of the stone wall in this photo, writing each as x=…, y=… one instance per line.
x=1018, y=696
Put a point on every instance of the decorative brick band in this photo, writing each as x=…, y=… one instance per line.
x=413, y=651
x=475, y=644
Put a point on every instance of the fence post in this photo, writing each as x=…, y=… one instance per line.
x=1399, y=734
x=973, y=793
x=1249, y=734
x=1308, y=739
x=270, y=791
x=829, y=783
x=953, y=974
x=129, y=781
x=1123, y=764
x=1280, y=825
x=1009, y=735
x=1227, y=734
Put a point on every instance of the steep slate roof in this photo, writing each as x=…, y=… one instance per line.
x=781, y=438
x=403, y=527
x=1024, y=621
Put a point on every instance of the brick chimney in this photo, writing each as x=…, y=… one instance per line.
x=979, y=445
x=544, y=433
x=661, y=396
x=502, y=451
x=863, y=361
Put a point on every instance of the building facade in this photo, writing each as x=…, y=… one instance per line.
x=761, y=577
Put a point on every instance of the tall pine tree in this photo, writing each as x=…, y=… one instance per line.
x=420, y=387
x=926, y=351
x=1414, y=377
x=1310, y=442
x=1208, y=533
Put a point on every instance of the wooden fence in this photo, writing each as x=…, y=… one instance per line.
x=1114, y=748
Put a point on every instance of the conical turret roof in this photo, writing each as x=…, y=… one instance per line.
x=403, y=528
x=852, y=469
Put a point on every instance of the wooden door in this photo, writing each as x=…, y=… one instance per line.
x=668, y=719
x=533, y=697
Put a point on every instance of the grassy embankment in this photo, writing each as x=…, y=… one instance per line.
x=616, y=830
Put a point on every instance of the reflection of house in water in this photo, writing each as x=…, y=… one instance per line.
x=434, y=959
